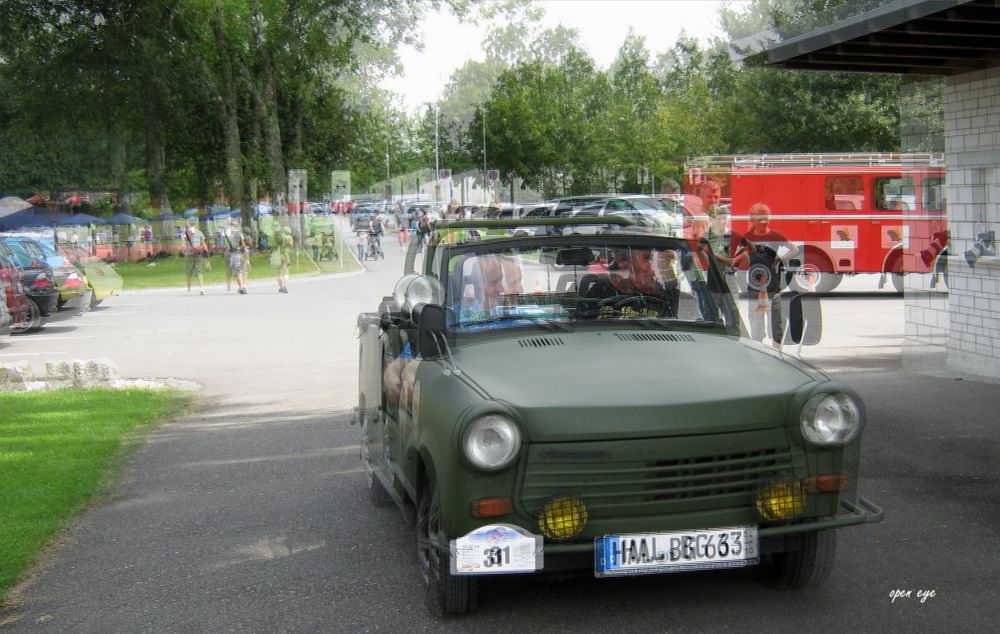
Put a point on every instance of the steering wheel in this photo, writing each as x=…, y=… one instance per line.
x=638, y=303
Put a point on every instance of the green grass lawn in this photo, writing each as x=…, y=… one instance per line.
x=172, y=271
x=60, y=449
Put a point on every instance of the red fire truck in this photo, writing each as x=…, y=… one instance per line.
x=849, y=213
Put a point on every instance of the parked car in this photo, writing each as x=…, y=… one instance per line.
x=74, y=294
x=415, y=207
x=102, y=280
x=37, y=280
x=559, y=208
x=14, y=298
x=5, y=318
x=362, y=221
x=648, y=213
x=536, y=411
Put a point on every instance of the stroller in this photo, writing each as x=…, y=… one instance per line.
x=373, y=250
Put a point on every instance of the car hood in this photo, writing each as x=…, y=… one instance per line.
x=617, y=384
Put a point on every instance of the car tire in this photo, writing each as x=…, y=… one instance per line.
x=447, y=594
x=32, y=320
x=807, y=566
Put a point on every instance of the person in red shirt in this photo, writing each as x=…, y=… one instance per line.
x=763, y=250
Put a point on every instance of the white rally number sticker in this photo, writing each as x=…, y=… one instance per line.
x=497, y=549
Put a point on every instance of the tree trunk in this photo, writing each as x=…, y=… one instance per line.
x=116, y=156
x=155, y=159
x=272, y=128
x=230, y=120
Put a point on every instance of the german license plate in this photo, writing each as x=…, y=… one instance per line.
x=653, y=553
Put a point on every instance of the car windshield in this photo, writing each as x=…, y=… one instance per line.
x=646, y=204
x=53, y=257
x=27, y=254
x=585, y=280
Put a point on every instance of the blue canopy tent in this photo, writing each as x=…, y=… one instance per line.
x=122, y=218
x=30, y=217
x=80, y=219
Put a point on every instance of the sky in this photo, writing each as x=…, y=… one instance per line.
x=602, y=26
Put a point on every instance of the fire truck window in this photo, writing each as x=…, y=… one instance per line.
x=845, y=193
x=932, y=194
x=896, y=194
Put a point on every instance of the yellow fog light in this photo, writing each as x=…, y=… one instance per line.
x=562, y=518
x=780, y=500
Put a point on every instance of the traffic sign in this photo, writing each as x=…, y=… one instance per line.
x=444, y=174
x=340, y=184
x=493, y=175
x=298, y=185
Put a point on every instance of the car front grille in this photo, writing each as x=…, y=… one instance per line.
x=656, y=476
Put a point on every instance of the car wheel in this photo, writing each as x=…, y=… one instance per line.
x=32, y=320
x=807, y=566
x=447, y=594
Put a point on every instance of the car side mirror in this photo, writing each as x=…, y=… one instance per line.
x=431, y=330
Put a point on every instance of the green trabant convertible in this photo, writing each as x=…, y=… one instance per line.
x=586, y=402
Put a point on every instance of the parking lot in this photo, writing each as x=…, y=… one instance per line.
x=251, y=514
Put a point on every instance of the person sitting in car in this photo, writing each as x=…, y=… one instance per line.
x=632, y=278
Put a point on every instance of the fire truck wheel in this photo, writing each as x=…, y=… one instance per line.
x=813, y=279
x=897, y=281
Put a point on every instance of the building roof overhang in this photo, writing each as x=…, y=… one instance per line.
x=905, y=37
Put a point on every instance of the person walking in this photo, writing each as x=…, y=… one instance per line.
x=378, y=228
x=235, y=251
x=423, y=230
x=283, y=246
x=195, y=254
x=362, y=240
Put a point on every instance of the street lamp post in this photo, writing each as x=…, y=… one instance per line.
x=484, y=149
x=437, y=163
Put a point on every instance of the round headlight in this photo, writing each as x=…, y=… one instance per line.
x=492, y=442
x=830, y=419
x=399, y=292
x=422, y=290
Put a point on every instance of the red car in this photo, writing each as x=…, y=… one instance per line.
x=13, y=292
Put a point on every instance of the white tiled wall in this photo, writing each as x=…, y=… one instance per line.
x=972, y=156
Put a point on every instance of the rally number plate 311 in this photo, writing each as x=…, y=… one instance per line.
x=654, y=553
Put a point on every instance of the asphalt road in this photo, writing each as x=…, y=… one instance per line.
x=252, y=516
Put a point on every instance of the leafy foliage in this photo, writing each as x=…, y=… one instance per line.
x=198, y=101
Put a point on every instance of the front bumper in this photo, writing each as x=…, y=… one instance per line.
x=77, y=304
x=578, y=556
